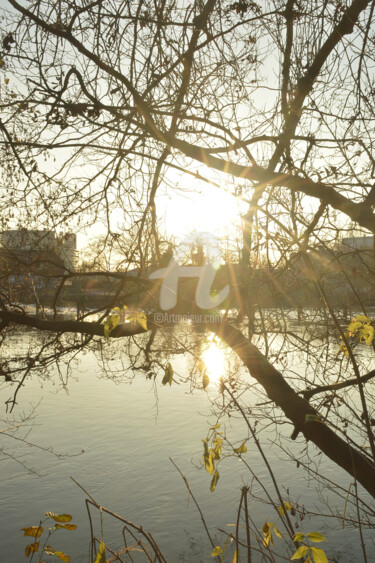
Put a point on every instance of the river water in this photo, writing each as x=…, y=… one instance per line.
x=117, y=437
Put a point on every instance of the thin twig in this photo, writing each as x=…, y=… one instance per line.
x=195, y=502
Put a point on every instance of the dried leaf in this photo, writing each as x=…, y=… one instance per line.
x=100, y=556
x=31, y=548
x=168, y=375
x=242, y=449
x=33, y=531
x=59, y=517
x=214, y=481
x=66, y=526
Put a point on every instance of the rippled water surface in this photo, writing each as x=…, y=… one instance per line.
x=123, y=436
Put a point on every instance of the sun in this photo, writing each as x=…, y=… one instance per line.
x=198, y=206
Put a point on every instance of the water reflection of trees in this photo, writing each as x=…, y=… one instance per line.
x=303, y=345
x=305, y=348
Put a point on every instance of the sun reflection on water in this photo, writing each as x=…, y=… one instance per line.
x=213, y=357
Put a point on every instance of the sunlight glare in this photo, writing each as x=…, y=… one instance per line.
x=214, y=359
x=198, y=206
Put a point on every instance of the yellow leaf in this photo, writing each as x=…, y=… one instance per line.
x=367, y=333
x=242, y=449
x=362, y=319
x=31, y=548
x=111, y=322
x=299, y=536
x=140, y=318
x=266, y=527
x=214, y=481
x=319, y=555
x=301, y=552
x=201, y=365
x=168, y=375
x=62, y=556
x=352, y=327
x=285, y=506
x=66, y=526
x=33, y=531
x=267, y=540
x=100, y=556
x=277, y=531
x=209, y=464
x=6, y=81
x=216, y=551
x=59, y=517
x=316, y=537
x=235, y=557
x=218, y=446
x=267, y=531
x=314, y=418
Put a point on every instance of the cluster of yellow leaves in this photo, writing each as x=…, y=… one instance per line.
x=268, y=528
x=220, y=551
x=113, y=319
x=312, y=554
x=140, y=318
x=62, y=521
x=361, y=329
x=212, y=454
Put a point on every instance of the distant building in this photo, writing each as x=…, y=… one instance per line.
x=68, y=250
x=26, y=252
x=357, y=243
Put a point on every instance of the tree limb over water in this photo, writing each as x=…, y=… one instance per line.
x=278, y=390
